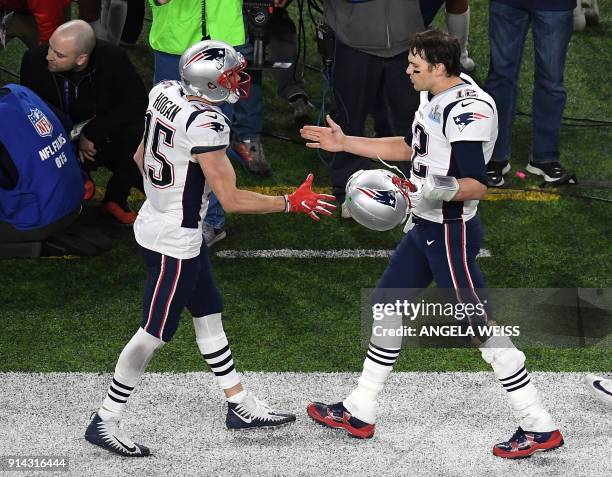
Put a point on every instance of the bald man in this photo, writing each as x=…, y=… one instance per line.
x=94, y=83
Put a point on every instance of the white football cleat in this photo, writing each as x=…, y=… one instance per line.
x=253, y=413
x=600, y=388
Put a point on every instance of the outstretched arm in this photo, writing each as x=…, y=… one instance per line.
x=333, y=139
x=222, y=179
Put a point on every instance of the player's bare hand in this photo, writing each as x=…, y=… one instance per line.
x=303, y=199
x=87, y=149
x=330, y=139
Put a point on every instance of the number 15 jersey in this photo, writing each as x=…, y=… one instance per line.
x=461, y=113
x=170, y=220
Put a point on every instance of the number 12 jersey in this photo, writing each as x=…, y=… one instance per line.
x=462, y=113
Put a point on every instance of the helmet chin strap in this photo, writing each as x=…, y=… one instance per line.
x=403, y=185
x=392, y=167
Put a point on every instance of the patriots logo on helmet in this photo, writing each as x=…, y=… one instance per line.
x=213, y=54
x=466, y=118
x=384, y=197
x=41, y=123
x=215, y=126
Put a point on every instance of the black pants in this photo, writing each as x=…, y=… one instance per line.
x=429, y=10
x=133, y=21
x=9, y=234
x=116, y=153
x=358, y=80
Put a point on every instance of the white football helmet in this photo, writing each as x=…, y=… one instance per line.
x=213, y=70
x=377, y=199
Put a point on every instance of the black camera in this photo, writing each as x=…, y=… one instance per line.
x=258, y=14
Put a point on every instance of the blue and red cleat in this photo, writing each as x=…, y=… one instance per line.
x=337, y=417
x=523, y=444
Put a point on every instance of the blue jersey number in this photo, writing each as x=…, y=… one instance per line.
x=419, y=148
x=419, y=145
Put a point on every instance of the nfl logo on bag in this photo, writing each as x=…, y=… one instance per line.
x=43, y=126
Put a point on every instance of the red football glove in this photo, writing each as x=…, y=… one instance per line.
x=303, y=199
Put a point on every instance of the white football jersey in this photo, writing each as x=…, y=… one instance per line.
x=170, y=220
x=462, y=113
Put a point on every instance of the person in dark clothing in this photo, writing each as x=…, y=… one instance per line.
x=98, y=88
x=370, y=59
x=133, y=23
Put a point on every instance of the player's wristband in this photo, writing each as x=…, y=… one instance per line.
x=439, y=187
x=287, y=204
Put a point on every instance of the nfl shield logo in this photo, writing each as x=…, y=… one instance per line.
x=43, y=126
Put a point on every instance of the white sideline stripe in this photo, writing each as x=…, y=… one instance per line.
x=430, y=424
x=305, y=254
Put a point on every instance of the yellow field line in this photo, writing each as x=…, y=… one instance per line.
x=534, y=195
x=498, y=194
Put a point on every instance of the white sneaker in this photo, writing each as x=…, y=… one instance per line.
x=109, y=435
x=579, y=18
x=467, y=63
x=253, y=413
x=600, y=388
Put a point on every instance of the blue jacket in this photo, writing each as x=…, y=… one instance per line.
x=42, y=180
x=544, y=5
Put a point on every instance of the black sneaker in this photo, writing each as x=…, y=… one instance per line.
x=212, y=235
x=302, y=108
x=496, y=171
x=551, y=171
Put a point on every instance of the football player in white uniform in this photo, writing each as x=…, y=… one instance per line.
x=452, y=138
x=182, y=159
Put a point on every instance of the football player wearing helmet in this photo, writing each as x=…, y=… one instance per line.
x=451, y=141
x=182, y=159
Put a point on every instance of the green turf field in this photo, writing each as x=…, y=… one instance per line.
x=303, y=315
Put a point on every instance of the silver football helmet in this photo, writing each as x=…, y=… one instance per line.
x=214, y=71
x=377, y=199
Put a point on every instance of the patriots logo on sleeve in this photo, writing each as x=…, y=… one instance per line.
x=384, y=197
x=467, y=118
x=214, y=125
